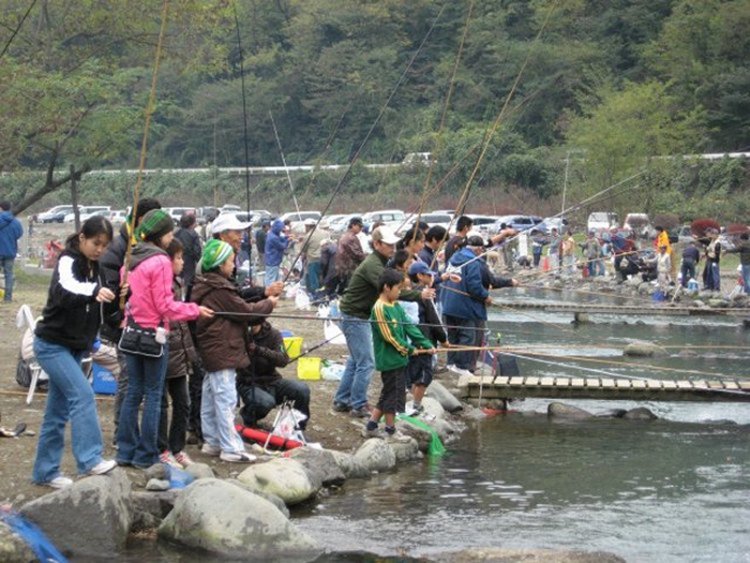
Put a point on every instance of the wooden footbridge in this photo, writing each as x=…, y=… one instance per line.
x=605, y=309
x=603, y=388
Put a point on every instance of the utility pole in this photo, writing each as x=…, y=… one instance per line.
x=74, y=197
x=565, y=185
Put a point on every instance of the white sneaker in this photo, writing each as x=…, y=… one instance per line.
x=183, y=459
x=397, y=438
x=213, y=451
x=59, y=482
x=237, y=457
x=459, y=371
x=104, y=466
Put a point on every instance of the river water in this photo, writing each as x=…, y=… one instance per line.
x=674, y=489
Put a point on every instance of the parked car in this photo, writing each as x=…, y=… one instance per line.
x=118, y=216
x=639, y=224
x=55, y=214
x=483, y=224
x=546, y=225
x=229, y=208
x=602, y=221
x=86, y=211
x=393, y=218
x=517, y=222
x=176, y=213
x=340, y=224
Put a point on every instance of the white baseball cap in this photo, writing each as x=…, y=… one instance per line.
x=384, y=235
x=310, y=222
x=227, y=222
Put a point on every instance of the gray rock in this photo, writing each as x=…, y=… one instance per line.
x=157, y=471
x=149, y=509
x=561, y=410
x=644, y=349
x=273, y=499
x=432, y=408
x=321, y=464
x=718, y=303
x=283, y=477
x=499, y=555
x=352, y=467
x=200, y=471
x=220, y=517
x=640, y=413
x=406, y=451
x=376, y=455
x=447, y=400
x=420, y=435
x=92, y=517
x=12, y=548
x=157, y=485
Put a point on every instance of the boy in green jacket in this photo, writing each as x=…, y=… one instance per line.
x=394, y=338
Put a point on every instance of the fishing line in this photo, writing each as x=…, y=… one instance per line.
x=364, y=142
x=18, y=28
x=283, y=160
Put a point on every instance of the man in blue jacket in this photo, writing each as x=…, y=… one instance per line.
x=465, y=303
x=276, y=245
x=10, y=231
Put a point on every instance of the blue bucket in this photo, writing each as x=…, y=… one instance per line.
x=658, y=296
x=286, y=334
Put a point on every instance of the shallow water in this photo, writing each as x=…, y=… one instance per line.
x=675, y=489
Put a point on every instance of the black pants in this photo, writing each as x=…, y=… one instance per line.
x=259, y=400
x=173, y=439
x=195, y=387
x=392, y=397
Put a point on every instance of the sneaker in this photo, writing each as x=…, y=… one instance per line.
x=213, y=451
x=59, y=482
x=104, y=466
x=167, y=457
x=361, y=412
x=237, y=457
x=412, y=410
x=341, y=407
x=183, y=459
x=371, y=433
x=397, y=438
x=459, y=371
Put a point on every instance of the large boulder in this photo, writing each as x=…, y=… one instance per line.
x=12, y=547
x=150, y=508
x=283, y=477
x=644, y=349
x=376, y=455
x=561, y=410
x=321, y=464
x=406, y=451
x=273, y=499
x=223, y=518
x=423, y=437
x=90, y=518
x=640, y=413
x=447, y=400
x=432, y=408
x=200, y=471
x=352, y=467
x=497, y=554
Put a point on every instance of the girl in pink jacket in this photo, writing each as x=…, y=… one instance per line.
x=151, y=305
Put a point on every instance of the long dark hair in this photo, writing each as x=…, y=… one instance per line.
x=92, y=227
x=412, y=235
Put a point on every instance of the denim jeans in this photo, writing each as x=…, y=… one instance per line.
x=272, y=275
x=7, y=264
x=69, y=397
x=355, y=380
x=464, y=332
x=312, y=279
x=138, y=445
x=713, y=278
x=259, y=401
x=688, y=272
x=172, y=431
x=219, y=397
x=746, y=277
x=122, y=387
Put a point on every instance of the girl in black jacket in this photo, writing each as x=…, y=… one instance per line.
x=69, y=325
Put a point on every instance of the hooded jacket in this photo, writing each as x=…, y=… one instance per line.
x=276, y=244
x=182, y=352
x=223, y=340
x=71, y=316
x=10, y=231
x=151, y=300
x=111, y=264
x=268, y=353
x=471, y=306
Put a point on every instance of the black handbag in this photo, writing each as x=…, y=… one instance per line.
x=140, y=341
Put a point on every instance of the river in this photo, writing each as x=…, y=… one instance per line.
x=674, y=489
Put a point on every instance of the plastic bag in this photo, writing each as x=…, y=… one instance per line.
x=302, y=300
x=333, y=334
x=288, y=425
x=332, y=371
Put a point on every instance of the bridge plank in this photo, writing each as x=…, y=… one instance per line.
x=744, y=385
x=577, y=382
x=667, y=384
x=593, y=382
x=684, y=384
x=715, y=384
x=562, y=381
x=502, y=380
x=730, y=385
x=700, y=385
x=516, y=381
x=532, y=381
x=608, y=383
x=638, y=384
x=623, y=383
x=547, y=382
x=653, y=384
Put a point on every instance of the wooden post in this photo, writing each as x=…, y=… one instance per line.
x=74, y=197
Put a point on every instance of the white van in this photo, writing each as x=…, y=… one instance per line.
x=602, y=220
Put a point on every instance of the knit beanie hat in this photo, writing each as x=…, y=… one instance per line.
x=214, y=254
x=154, y=224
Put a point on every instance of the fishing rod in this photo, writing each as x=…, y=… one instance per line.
x=244, y=110
x=18, y=28
x=283, y=160
x=369, y=133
